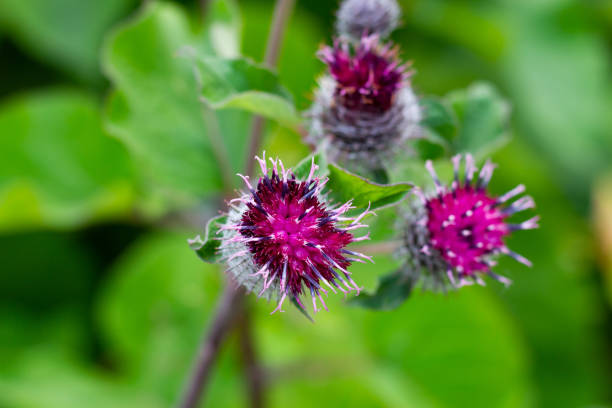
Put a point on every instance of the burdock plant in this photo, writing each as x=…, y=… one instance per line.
x=289, y=236
x=364, y=109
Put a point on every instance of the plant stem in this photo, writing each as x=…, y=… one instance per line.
x=225, y=315
x=255, y=375
x=231, y=304
x=282, y=11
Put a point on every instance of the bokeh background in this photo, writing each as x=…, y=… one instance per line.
x=102, y=303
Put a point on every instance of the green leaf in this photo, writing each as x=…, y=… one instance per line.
x=474, y=120
x=207, y=248
x=242, y=84
x=59, y=169
x=393, y=289
x=63, y=383
x=483, y=119
x=302, y=169
x=155, y=108
x=344, y=186
x=67, y=33
x=439, y=119
x=153, y=311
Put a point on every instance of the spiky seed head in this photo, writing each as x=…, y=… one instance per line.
x=454, y=235
x=282, y=239
x=364, y=17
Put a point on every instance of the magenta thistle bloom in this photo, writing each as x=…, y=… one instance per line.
x=365, y=107
x=366, y=81
x=364, y=17
x=462, y=227
x=282, y=238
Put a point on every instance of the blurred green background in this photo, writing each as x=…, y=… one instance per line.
x=102, y=302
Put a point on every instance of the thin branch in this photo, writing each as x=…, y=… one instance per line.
x=255, y=375
x=225, y=315
x=282, y=11
x=231, y=303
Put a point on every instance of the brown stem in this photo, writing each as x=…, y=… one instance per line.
x=231, y=303
x=255, y=376
x=225, y=315
x=282, y=11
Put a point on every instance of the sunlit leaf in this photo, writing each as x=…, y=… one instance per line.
x=58, y=167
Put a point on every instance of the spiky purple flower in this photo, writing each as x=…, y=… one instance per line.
x=283, y=239
x=364, y=17
x=457, y=232
x=365, y=107
x=367, y=79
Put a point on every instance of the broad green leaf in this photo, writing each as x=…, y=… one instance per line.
x=344, y=186
x=155, y=110
x=59, y=169
x=463, y=348
x=393, y=289
x=483, y=119
x=242, y=84
x=559, y=80
x=207, y=248
x=439, y=119
x=459, y=350
x=66, y=33
x=154, y=309
x=61, y=383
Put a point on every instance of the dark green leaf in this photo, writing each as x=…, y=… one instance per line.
x=155, y=108
x=153, y=310
x=207, y=248
x=344, y=186
x=393, y=289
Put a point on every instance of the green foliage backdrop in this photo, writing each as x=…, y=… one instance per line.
x=108, y=163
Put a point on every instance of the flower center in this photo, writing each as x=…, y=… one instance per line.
x=465, y=226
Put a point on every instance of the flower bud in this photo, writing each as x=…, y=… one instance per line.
x=357, y=18
x=365, y=108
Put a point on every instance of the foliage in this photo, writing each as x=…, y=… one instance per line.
x=102, y=300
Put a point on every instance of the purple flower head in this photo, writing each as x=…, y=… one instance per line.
x=367, y=79
x=359, y=17
x=364, y=109
x=462, y=227
x=283, y=238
